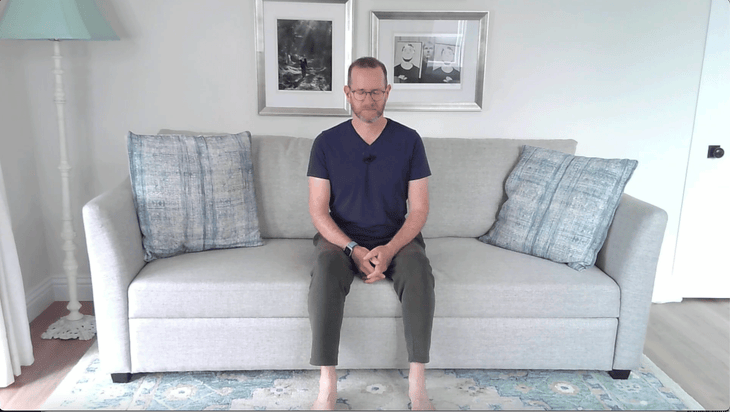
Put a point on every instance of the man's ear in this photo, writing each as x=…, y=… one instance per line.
x=346, y=89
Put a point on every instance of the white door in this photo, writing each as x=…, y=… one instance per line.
x=701, y=264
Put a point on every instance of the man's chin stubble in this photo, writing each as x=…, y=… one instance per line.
x=373, y=120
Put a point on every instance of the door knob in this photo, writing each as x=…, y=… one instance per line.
x=715, y=152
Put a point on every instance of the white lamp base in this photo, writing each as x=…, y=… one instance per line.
x=83, y=329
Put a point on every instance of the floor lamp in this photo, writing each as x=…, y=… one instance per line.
x=58, y=20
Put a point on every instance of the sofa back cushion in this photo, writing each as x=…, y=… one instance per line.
x=282, y=186
x=466, y=187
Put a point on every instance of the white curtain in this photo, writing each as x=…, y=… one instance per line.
x=15, y=345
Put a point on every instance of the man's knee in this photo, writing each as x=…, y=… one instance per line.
x=330, y=260
x=332, y=271
x=413, y=260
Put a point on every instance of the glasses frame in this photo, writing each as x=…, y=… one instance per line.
x=368, y=93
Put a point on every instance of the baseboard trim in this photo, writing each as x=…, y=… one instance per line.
x=83, y=287
x=55, y=288
x=39, y=299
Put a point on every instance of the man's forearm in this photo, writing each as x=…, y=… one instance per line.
x=327, y=227
x=410, y=229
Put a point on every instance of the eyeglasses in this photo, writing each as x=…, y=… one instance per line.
x=377, y=95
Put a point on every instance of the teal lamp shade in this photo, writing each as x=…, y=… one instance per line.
x=54, y=20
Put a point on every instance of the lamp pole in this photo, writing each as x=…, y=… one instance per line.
x=74, y=325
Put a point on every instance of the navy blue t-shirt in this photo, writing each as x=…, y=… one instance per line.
x=369, y=183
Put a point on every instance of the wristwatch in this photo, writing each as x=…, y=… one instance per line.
x=350, y=248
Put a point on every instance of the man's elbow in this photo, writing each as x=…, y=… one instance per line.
x=317, y=216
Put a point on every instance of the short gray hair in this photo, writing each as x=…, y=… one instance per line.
x=367, y=63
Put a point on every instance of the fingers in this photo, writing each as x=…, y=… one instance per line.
x=366, y=267
x=374, y=277
x=374, y=255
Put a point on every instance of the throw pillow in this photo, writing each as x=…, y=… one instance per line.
x=193, y=193
x=560, y=206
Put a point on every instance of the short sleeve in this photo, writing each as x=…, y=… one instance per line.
x=317, y=160
x=419, y=162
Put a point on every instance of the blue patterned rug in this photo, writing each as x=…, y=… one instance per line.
x=646, y=389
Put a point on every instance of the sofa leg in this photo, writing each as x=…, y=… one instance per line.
x=619, y=374
x=121, y=377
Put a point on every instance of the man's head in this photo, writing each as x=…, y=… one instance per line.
x=367, y=88
x=407, y=52
x=428, y=49
x=367, y=63
x=447, y=54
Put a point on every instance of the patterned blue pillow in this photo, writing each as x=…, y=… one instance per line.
x=193, y=193
x=560, y=206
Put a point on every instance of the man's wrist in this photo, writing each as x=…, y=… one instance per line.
x=391, y=248
x=350, y=248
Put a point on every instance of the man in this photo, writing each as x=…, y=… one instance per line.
x=361, y=173
x=406, y=71
x=447, y=73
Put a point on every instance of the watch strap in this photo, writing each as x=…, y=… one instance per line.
x=350, y=248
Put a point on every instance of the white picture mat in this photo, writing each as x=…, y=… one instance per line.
x=459, y=93
x=274, y=11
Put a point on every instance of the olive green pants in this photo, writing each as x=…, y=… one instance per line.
x=332, y=276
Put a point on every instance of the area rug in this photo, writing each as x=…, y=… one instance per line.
x=648, y=388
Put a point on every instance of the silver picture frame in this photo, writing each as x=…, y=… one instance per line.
x=451, y=81
x=294, y=75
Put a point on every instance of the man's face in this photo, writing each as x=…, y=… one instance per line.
x=428, y=50
x=447, y=55
x=408, y=52
x=368, y=110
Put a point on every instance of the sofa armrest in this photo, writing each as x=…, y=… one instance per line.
x=114, y=244
x=630, y=255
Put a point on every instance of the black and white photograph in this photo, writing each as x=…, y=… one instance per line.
x=305, y=54
x=427, y=59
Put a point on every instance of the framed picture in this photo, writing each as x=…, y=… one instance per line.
x=435, y=59
x=303, y=50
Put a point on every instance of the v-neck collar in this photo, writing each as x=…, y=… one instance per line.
x=380, y=136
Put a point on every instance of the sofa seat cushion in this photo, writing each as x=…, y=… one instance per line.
x=269, y=281
x=473, y=280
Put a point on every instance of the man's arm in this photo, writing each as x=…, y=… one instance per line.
x=319, y=206
x=417, y=214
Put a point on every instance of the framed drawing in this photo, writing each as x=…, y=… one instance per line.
x=303, y=50
x=435, y=59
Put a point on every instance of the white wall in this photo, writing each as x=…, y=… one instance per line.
x=18, y=161
x=621, y=77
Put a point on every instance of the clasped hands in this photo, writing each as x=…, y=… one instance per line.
x=373, y=263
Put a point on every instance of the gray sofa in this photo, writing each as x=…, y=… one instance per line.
x=246, y=308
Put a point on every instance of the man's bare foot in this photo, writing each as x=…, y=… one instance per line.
x=327, y=398
x=324, y=403
x=417, y=388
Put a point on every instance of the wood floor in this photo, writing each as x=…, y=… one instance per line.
x=689, y=341
x=54, y=358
